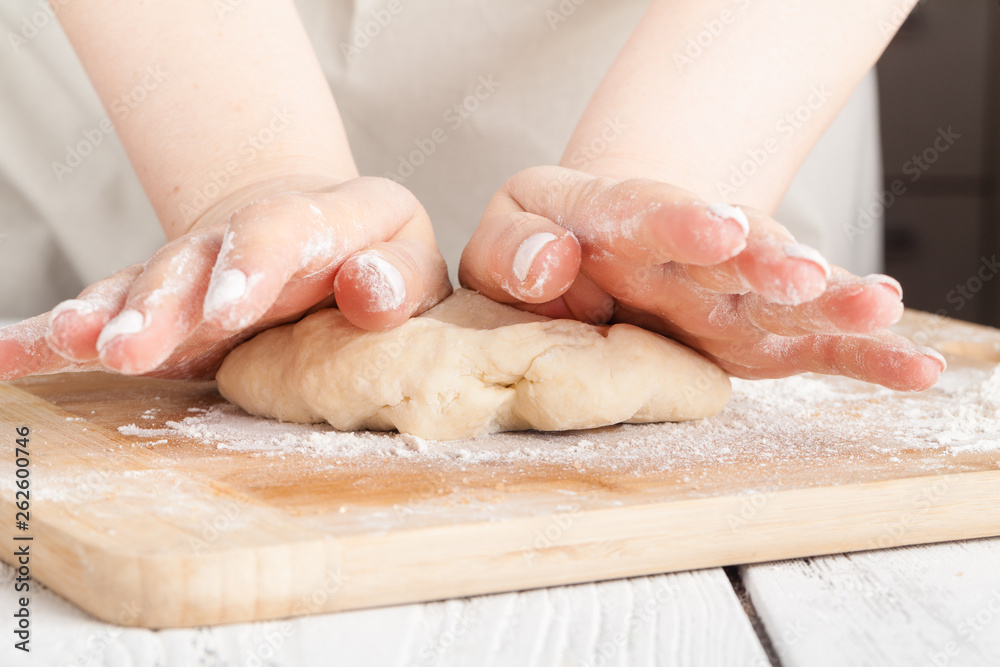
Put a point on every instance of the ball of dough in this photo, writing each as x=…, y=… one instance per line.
x=468, y=367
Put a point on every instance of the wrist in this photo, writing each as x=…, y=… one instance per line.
x=621, y=166
x=221, y=193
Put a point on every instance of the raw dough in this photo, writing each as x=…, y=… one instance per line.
x=468, y=367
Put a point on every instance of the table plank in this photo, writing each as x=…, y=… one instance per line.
x=932, y=605
x=690, y=618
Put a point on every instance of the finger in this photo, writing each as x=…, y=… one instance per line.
x=663, y=300
x=387, y=283
x=74, y=325
x=773, y=264
x=163, y=307
x=266, y=243
x=849, y=305
x=666, y=292
x=584, y=301
x=645, y=221
x=515, y=256
x=23, y=351
x=307, y=238
x=883, y=358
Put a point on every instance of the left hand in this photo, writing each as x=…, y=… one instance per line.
x=729, y=282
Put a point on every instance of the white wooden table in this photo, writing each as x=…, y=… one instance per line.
x=930, y=605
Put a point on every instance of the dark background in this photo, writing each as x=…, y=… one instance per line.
x=943, y=70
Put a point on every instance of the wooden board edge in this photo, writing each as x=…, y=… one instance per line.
x=685, y=535
x=328, y=574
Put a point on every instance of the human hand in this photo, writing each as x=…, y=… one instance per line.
x=731, y=283
x=365, y=245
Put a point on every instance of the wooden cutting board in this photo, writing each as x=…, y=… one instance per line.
x=174, y=531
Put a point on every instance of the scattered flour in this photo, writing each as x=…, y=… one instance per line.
x=803, y=417
x=134, y=429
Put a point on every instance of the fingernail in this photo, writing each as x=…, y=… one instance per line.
x=383, y=281
x=888, y=281
x=60, y=339
x=227, y=287
x=808, y=253
x=528, y=251
x=726, y=212
x=127, y=322
x=933, y=354
x=78, y=306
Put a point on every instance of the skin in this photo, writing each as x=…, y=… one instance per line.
x=297, y=221
x=621, y=208
x=633, y=237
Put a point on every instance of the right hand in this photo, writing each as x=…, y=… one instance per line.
x=365, y=245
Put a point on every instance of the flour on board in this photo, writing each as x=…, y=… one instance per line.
x=806, y=417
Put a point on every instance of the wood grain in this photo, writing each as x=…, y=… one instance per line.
x=689, y=618
x=192, y=535
x=935, y=605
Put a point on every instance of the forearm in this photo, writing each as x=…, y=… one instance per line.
x=701, y=88
x=213, y=111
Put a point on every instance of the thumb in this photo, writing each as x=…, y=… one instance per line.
x=518, y=256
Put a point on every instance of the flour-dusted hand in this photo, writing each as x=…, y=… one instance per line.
x=244, y=158
x=365, y=245
x=648, y=253
x=730, y=282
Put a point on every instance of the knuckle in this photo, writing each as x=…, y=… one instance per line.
x=248, y=214
x=266, y=207
x=382, y=189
